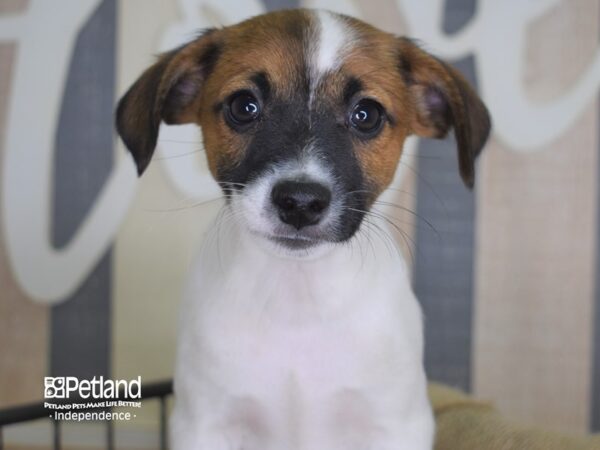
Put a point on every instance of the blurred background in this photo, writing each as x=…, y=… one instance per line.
x=92, y=260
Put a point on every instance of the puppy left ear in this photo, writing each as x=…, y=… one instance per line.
x=443, y=99
x=166, y=91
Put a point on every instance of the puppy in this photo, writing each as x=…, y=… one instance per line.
x=299, y=332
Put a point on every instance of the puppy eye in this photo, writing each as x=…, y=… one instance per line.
x=243, y=108
x=367, y=116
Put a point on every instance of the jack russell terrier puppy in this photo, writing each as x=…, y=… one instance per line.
x=298, y=332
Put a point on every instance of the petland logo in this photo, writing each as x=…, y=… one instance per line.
x=91, y=400
x=96, y=388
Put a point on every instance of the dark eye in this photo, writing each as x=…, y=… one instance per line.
x=243, y=108
x=367, y=116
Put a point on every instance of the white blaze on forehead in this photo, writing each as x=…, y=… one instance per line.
x=333, y=40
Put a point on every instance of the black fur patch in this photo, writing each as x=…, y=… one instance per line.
x=353, y=87
x=262, y=83
x=284, y=133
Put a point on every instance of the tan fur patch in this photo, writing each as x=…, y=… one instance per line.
x=276, y=45
x=272, y=44
x=420, y=94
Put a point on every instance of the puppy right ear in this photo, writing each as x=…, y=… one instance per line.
x=443, y=99
x=165, y=92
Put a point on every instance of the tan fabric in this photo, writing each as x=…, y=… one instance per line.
x=464, y=423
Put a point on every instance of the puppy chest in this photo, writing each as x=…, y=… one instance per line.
x=327, y=384
x=326, y=336
x=256, y=355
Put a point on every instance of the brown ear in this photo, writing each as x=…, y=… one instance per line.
x=442, y=100
x=165, y=92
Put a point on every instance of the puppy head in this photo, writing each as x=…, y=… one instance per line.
x=304, y=115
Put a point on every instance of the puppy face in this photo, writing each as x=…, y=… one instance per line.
x=304, y=115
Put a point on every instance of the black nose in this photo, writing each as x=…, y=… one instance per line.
x=300, y=203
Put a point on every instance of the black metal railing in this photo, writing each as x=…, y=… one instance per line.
x=18, y=414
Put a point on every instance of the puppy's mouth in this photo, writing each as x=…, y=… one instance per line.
x=295, y=242
x=297, y=215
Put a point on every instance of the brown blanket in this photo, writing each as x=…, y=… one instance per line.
x=464, y=423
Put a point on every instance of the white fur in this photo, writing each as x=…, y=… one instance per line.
x=280, y=353
x=334, y=39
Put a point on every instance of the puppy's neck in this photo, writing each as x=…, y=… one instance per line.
x=348, y=279
x=365, y=248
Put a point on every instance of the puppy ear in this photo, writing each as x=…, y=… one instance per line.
x=165, y=92
x=443, y=99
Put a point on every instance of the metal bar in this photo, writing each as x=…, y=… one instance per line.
x=110, y=435
x=163, y=423
x=158, y=389
x=22, y=413
x=56, y=434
